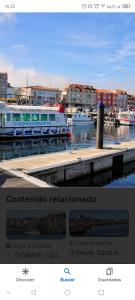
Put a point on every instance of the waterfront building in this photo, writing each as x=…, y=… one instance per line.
x=112, y=98
x=78, y=95
x=10, y=91
x=121, y=99
x=108, y=97
x=131, y=101
x=39, y=95
x=3, y=84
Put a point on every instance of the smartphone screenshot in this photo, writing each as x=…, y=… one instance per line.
x=67, y=149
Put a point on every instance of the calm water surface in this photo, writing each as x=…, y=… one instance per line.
x=82, y=137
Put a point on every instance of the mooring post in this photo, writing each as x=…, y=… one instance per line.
x=100, y=126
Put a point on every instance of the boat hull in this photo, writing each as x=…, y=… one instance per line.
x=127, y=118
x=76, y=123
x=127, y=123
x=21, y=133
x=80, y=118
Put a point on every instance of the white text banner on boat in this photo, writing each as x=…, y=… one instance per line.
x=86, y=6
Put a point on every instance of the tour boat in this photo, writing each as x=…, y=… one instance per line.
x=111, y=121
x=21, y=121
x=80, y=118
x=127, y=117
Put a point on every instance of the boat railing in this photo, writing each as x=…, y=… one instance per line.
x=28, y=108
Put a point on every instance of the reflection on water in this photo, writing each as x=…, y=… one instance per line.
x=106, y=231
x=124, y=182
x=82, y=136
x=27, y=147
x=120, y=133
x=107, y=178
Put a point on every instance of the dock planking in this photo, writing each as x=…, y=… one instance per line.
x=9, y=180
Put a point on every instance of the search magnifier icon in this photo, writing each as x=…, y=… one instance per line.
x=66, y=270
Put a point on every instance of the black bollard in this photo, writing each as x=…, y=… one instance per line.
x=100, y=126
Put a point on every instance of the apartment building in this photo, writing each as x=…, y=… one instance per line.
x=108, y=97
x=3, y=84
x=121, y=99
x=10, y=91
x=131, y=101
x=112, y=98
x=78, y=95
x=38, y=95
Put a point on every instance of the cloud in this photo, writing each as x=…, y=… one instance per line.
x=18, y=76
x=127, y=50
x=85, y=40
x=111, y=82
x=8, y=19
x=18, y=46
x=19, y=49
x=75, y=57
x=101, y=75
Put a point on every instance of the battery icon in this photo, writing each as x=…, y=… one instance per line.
x=126, y=5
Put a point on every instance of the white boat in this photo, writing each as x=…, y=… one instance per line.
x=127, y=117
x=80, y=118
x=110, y=121
x=20, y=121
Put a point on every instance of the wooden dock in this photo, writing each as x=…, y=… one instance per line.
x=49, y=169
x=10, y=180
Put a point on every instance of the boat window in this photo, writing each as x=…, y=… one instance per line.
x=26, y=117
x=44, y=117
x=8, y=117
x=4, y=117
x=52, y=117
x=35, y=117
x=124, y=115
x=16, y=117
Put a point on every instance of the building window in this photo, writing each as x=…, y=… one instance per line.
x=26, y=117
x=44, y=117
x=16, y=117
x=52, y=117
x=35, y=117
x=8, y=117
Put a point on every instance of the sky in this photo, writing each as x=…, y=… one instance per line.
x=100, y=213
x=60, y=48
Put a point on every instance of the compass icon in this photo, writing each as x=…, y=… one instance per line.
x=25, y=271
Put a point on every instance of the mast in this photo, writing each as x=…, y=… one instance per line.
x=27, y=84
